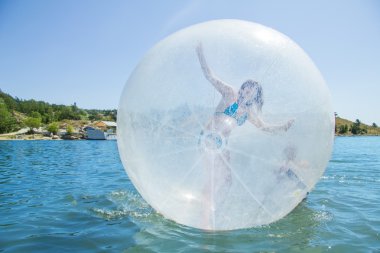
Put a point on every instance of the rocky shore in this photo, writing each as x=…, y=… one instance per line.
x=41, y=134
x=16, y=137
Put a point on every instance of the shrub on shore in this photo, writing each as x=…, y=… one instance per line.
x=53, y=128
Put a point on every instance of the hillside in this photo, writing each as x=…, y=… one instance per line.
x=17, y=113
x=344, y=127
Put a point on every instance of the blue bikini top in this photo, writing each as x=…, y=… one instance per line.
x=232, y=112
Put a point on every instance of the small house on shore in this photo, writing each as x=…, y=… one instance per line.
x=102, y=130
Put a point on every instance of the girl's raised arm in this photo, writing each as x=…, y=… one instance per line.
x=256, y=120
x=219, y=85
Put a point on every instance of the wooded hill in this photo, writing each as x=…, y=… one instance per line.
x=347, y=127
x=17, y=113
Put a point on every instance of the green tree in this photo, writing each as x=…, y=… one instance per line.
x=69, y=129
x=342, y=129
x=97, y=116
x=53, y=128
x=355, y=128
x=374, y=124
x=8, y=100
x=67, y=113
x=7, y=122
x=35, y=115
x=32, y=123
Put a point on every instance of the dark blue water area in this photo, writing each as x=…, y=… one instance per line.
x=60, y=196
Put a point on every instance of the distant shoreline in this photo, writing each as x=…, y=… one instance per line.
x=38, y=137
x=357, y=135
x=31, y=138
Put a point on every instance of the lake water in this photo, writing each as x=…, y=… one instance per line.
x=63, y=196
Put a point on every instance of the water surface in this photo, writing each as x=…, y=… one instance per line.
x=59, y=196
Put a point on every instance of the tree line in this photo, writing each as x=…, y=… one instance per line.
x=16, y=113
x=355, y=128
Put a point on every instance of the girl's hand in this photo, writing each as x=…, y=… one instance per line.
x=288, y=124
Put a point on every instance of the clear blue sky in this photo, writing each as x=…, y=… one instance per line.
x=84, y=51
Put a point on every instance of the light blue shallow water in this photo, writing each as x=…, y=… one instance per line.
x=61, y=196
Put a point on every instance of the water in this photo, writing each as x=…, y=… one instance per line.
x=60, y=196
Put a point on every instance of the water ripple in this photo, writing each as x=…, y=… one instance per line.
x=60, y=196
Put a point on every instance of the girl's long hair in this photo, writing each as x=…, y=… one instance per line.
x=257, y=99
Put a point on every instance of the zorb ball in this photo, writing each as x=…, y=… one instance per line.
x=225, y=125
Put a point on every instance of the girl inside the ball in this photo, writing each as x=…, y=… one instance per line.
x=235, y=108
